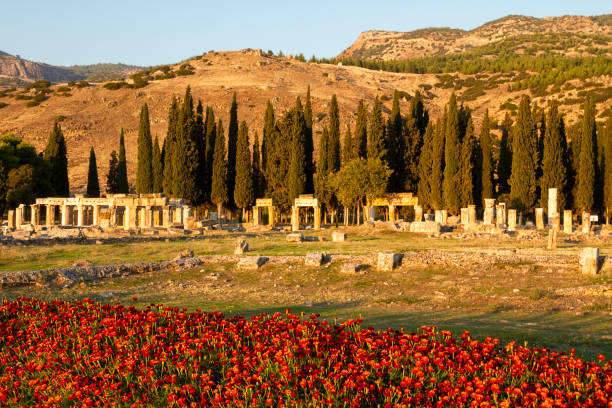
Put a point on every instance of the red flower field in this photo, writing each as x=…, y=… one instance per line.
x=89, y=354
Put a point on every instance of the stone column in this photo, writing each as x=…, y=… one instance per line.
x=185, y=213
x=11, y=219
x=35, y=214
x=438, y=216
x=148, y=217
x=256, y=216
x=156, y=221
x=295, y=218
x=392, y=213
x=539, y=218
x=567, y=222
x=112, y=216
x=50, y=220
x=129, y=217
x=512, y=220
x=19, y=216
x=65, y=214
x=271, y=215
x=586, y=223
x=372, y=212
x=502, y=215
x=556, y=221
x=489, y=211
x=552, y=205
x=418, y=213
x=471, y=214
x=317, y=218
x=443, y=217
x=589, y=261
x=96, y=215
x=465, y=216
x=80, y=216
x=166, y=216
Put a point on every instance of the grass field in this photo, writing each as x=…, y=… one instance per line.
x=461, y=285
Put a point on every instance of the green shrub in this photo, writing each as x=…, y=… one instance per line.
x=81, y=84
x=42, y=84
x=63, y=89
x=185, y=69
x=60, y=118
x=3, y=104
x=113, y=86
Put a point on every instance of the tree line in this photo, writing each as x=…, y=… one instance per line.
x=444, y=161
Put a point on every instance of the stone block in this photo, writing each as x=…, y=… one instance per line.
x=567, y=222
x=586, y=223
x=338, y=236
x=252, y=262
x=427, y=227
x=589, y=261
x=539, y=218
x=387, y=261
x=241, y=246
x=352, y=268
x=512, y=220
x=465, y=216
x=314, y=259
x=299, y=237
x=552, y=239
x=186, y=253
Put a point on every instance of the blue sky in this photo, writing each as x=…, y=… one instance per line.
x=66, y=32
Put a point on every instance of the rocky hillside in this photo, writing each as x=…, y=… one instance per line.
x=12, y=66
x=93, y=114
x=582, y=36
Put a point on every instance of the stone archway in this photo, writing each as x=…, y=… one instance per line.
x=305, y=200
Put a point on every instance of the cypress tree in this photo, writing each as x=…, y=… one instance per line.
x=157, y=167
x=585, y=183
x=309, y=145
x=468, y=154
x=256, y=163
x=112, y=178
x=437, y=171
x=93, y=185
x=170, y=142
x=347, y=150
x=607, y=168
x=144, y=176
x=218, y=194
x=396, y=143
x=415, y=126
x=425, y=168
x=297, y=166
x=244, y=194
x=122, y=179
x=211, y=130
x=451, y=185
x=360, y=141
x=323, y=150
x=199, y=136
x=376, y=137
x=268, y=129
x=232, y=137
x=504, y=165
x=186, y=155
x=554, y=168
x=55, y=154
x=523, y=183
x=487, y=159
x=333, y=152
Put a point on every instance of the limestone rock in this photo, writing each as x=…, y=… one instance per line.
x=388, y=261
x=241, y=247
x=589, y=261
x=314, y=259
x=252, y=262
x=352, y=268
x=338, y=236
x=297, y=237
x=186, y=253
x=428, y=227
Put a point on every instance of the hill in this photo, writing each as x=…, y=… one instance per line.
x=581, y=36
x=15, y=71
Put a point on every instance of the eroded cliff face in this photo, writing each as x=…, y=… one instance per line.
x=12, y=66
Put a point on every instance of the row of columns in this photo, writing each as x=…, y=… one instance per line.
x=257, y=215
x=295, y=218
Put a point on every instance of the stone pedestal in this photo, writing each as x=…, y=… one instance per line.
x=489, y=211
x=567, y=222
x=317, y=218
x=388, y=261
x=295, y=218
x=418, y=213
x=50, y=219
x=471, y=214
x=338, y=236
x=464, y=216
x=11, y=219
x=512, y=220
x=552, y=205
x=586, y=223
x=539, y=218
x=314, y=259
x=589, y=261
